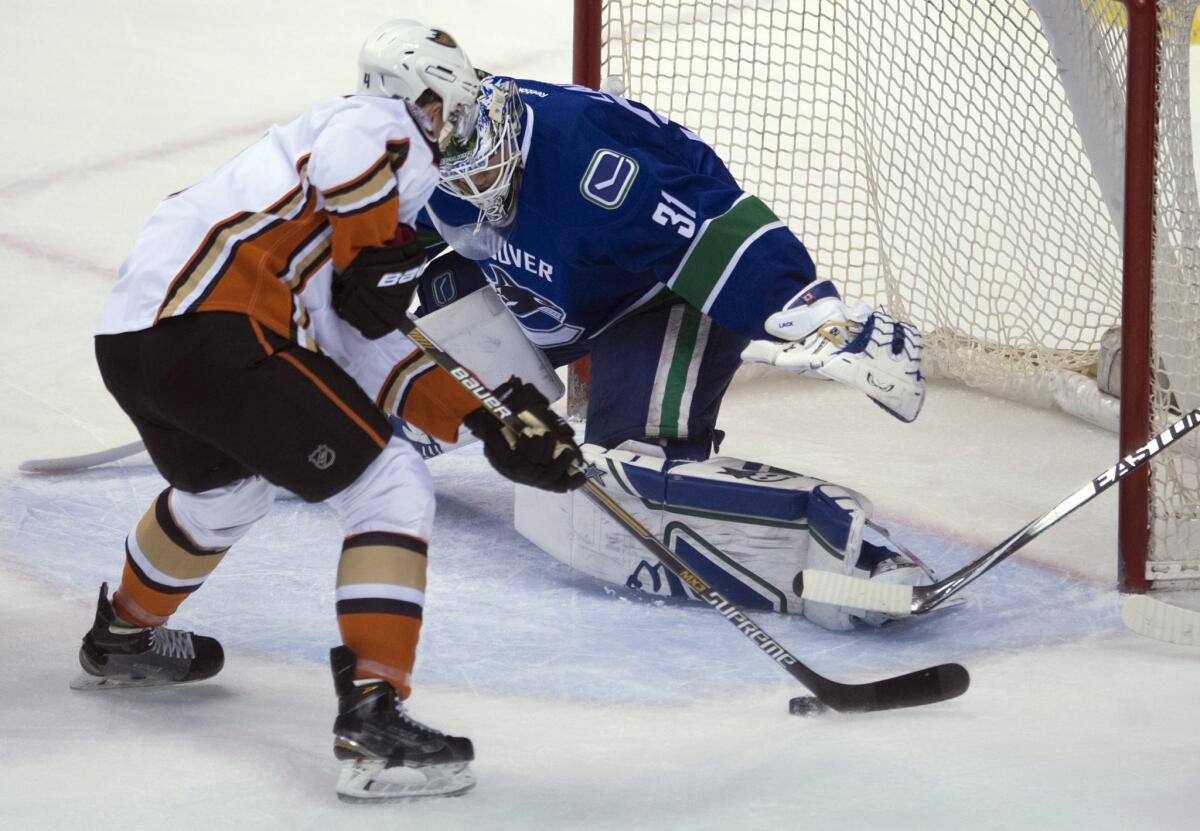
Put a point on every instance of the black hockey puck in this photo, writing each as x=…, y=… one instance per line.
x=806, y=705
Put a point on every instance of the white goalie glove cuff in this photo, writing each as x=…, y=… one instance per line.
x=818, y=309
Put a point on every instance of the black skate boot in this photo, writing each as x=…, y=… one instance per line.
x=117, y=655
x=387, y=754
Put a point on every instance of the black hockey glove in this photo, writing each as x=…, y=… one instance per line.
x=544, y=454
x=373, y=293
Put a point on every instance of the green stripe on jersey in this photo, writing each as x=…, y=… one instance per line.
x=713, y=251
x=678, y=376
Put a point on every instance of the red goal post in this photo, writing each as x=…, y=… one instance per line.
x=1016, y=178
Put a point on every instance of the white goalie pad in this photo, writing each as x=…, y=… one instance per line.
x=479, y=332
x=740, y=525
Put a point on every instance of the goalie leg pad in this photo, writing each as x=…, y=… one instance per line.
x=744, y=528
x=738, y=525
x=837, y=518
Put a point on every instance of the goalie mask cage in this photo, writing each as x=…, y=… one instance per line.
x=1015, y=177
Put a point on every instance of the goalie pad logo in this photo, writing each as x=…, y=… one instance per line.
x=608, y=178
x=769, y=475
x=594, y=473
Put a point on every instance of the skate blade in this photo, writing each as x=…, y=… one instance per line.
x=86, y=682
x=370, y=781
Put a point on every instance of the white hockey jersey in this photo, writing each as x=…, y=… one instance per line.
x=263, y=234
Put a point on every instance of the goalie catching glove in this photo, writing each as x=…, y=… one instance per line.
x=374, y=292
x=864, y=348
x=543, y=454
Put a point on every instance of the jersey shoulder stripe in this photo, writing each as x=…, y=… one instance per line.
x=718, y=246
x=373, y=186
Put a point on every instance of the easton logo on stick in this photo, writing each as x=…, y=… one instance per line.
x=1150, y=448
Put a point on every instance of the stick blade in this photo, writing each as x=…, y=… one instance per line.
x=916, y=689
x=1155, y=619
x=840, y=590
x=82, y=462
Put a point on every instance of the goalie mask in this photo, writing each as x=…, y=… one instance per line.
x=485, y=170
x=404, y=58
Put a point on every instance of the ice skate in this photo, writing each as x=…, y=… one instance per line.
x=115, y=654
x=386, y=754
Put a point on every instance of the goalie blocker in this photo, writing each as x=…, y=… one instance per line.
x=744, y=528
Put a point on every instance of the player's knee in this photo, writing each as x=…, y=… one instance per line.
x=393, y=494
x=219, y=517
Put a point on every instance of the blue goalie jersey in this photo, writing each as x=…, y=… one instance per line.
x=618, y=208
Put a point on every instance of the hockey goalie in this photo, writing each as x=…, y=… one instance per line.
x=608, y=231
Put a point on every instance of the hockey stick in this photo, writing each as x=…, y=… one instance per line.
x=70, y=463
x=857, y=593
x=924, y=686
x=1153, y=618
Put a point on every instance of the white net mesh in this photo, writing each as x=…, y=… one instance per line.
x=927, y=155
x=1175, y=317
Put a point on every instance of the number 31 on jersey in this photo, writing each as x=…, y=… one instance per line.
x=670, y=211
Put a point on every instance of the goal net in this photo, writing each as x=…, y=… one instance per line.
x=963, y=165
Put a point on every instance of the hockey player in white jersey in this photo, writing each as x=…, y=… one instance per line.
x=251, y=339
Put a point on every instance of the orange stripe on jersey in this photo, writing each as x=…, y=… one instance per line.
x=391, y=394
x=247, y=282
x=373, y=228
x=319, y=384
x=365, y=210
x=222, y=241
x=308, y=256
x=437, y=403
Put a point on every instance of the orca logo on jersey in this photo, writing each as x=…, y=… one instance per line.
x=544, y=321
x=608, y=178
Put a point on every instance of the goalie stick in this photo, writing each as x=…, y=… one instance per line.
x=66, y=464
x=857, y=593
x=913, y=689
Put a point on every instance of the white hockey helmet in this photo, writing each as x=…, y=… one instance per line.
x=404, y=58
x=491, y=156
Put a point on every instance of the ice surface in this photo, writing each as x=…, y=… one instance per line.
x=591, y=708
